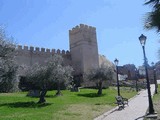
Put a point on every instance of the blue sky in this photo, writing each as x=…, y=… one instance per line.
x=46, y=23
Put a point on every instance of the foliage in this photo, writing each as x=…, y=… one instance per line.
x=154, y=3
x=152, y=19
x=62, y=74
x=99, y=75
x=8, y=67
x=71, y=106
x=40, y=76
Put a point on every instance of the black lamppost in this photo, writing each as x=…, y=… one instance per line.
x=136, y=77
x=142, y=40
x=154, y=74
x=116, y=63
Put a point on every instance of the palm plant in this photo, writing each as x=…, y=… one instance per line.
x=152, y=19
x=153, y=2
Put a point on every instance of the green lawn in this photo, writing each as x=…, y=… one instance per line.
x=156, y=102
x=83, y=105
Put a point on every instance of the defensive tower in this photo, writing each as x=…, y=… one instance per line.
x=83, y=48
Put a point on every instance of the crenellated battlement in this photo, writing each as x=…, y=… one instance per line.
x=25, y=48
x=81, y=27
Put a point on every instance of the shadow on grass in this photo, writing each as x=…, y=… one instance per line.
x=106, y=103
x=25, y=105
x=47, y=96
x=91, y=95
x=53, y=96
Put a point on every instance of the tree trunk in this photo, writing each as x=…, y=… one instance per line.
x=42, y=96
x=58, y=90
x=100, y=88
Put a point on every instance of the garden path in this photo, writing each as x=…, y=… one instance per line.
x=136, y=110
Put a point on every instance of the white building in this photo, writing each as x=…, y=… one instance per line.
x=141, y=70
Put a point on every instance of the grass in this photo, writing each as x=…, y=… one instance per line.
x=156, y=102
x=84, y=105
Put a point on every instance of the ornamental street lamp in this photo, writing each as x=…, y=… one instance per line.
x=155, y=80
x=142, y=40
x=116, y=63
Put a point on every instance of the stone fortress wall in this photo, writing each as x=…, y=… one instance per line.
x=31, y=55
x=83, y=54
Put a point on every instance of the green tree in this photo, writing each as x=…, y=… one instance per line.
x=8, y=67
x=152, y=19
x=39, y=77
x=103, y=73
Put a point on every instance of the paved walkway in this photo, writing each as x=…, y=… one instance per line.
x=136, y=110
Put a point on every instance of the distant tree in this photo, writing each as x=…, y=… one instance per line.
x=40, y=76
x=152, y=19
x=99, y=75
x=8, y=67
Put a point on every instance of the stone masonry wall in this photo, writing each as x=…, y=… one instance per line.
x=29, y=55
